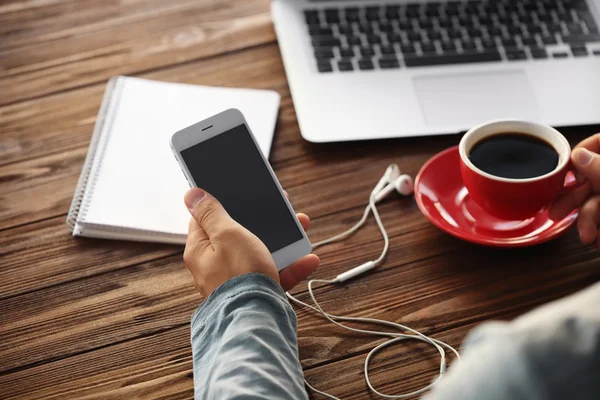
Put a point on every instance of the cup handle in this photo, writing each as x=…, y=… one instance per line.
x=571, y=183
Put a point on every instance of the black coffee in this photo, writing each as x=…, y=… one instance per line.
x=514, y=155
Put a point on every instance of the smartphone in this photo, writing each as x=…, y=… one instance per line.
x=221, y=156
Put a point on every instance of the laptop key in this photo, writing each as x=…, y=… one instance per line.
x=509, y=42
x=372, y=10
x=345, y=29
x=414, y=36
x=412, y=11
x=435, y=35
x=428, y=47
x=352, y=14
x=538, y=53
x=575, y=28
x=451, y=11
x=395, y=38
x=426, y=24
x=561, y=54
x=468, y=44
x=324, y=66
x=312, y=17
x=408, y=48
x=515, y=30
x=324, y=53
x=596, y=52
x=554, y=28
x=495, y=30
x=432, y=10
x=579, y=51
x=367, y=51
x=465, y=20
x=405, y=25
x=314, y=30
x=529, y=41
x=365, y=64
x=392, y=13
x=388, y=63
x=366, y=28
x=448, y=46
x=387, y=50
x=488, y=44
x=347, y=52
x=354, y=40
x=332, y=16
x=326, y=41
x=549, y=40
x=515, y=55
x=372, y=14
x=452, y=59
x=536, y=29
x=345, y=65
x=455, y=33
x=474, y=32
x=386, y=27
x=374, y=39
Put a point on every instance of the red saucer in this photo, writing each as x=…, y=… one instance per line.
x=445, y=201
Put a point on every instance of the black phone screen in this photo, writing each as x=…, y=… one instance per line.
x=230, y=167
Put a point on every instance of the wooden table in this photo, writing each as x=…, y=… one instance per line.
x=83, y=318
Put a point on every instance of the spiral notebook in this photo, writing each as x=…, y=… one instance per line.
x=131, y=187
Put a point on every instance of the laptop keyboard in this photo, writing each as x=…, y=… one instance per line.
x=449, y=32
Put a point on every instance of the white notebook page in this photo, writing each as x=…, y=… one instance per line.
x=139, y=184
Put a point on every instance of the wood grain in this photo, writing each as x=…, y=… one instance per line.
x=172, y=33
x=87, y=319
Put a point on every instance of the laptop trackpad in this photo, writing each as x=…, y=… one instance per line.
x=465, y=100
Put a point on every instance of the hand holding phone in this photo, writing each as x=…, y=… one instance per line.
x=218, y=248
x=220, y=156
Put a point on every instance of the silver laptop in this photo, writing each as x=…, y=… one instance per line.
x=372, y=69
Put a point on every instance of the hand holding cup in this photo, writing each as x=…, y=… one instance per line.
x=586, y=162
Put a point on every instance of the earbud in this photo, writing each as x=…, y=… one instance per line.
x=402, y=184
x=391, y=174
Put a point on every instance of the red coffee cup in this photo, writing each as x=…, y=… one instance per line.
x=514, y=199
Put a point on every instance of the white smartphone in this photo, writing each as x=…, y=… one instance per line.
x=220, y=155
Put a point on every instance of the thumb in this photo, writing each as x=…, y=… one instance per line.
x=207, y=211
x=587, y=164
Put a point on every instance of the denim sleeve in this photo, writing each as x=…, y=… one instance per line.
x=551, y=353
x=244, y=343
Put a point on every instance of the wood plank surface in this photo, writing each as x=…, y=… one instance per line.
x=98, y=319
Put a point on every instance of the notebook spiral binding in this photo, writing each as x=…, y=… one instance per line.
x=88, y=177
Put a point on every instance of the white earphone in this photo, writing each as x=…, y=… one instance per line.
x=391, y=173
x=403, y=184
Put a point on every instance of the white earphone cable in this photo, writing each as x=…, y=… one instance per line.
x=395, y=337
x=347, y=233
x=386, y=239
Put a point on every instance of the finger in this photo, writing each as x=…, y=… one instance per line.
x=207, y=212
x=569, y=202
x=196, y=244
x=587, y=164
x=303, y=218
x=196, y=235
x=588, y=221
x=304, y=221
x=298, y=271
x=592, y=143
